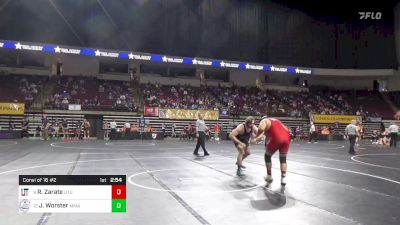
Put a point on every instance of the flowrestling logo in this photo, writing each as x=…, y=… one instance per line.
x=370, y=15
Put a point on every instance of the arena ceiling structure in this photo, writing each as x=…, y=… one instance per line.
x=299, y=33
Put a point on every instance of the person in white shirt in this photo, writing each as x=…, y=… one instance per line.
x=393, y=130
x=127, y=127
x=201, y=129
x=113, y=127
x=351, y=132
x=313, y=133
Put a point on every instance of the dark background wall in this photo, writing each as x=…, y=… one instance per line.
x=300, y=33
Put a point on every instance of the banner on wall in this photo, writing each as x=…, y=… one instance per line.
x=74, y=107
x=374, y=119
x=150, y=111
x=319, y=118
x=224, y=113
x=12, y=108
x=187, y=114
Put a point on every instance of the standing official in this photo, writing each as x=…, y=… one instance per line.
x=352, y=133
x=393, y=130
x=201, y=135
x=113, y=127
x=313, y=133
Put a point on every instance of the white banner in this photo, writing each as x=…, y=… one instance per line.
x=74, y=107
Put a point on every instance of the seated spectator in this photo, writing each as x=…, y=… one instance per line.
x=65, y=103
x=74, y=93
x=118, y=102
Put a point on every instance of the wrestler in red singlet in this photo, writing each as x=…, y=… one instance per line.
x=279, y=139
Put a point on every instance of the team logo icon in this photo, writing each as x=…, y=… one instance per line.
x=24, y=205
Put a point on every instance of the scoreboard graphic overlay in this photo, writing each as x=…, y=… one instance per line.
x=72, y=193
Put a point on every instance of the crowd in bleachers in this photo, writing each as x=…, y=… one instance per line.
x=92, y=94
x=20, y=89
x=249, y=100
x=362, y=103
x=304, y=103
x=371, y=104
x=96, y=94
x=246, y=100
x=180, y=96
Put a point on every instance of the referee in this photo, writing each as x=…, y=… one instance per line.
x=393, y=130
x=201, y=135
x=352, y=133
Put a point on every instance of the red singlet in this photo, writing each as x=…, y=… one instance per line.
x=279, y=137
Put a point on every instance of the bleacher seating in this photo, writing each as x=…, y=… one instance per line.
x=183, y=97
x=246, y=100
x=370, y=103
x=20, y=88
x=92, y=94
x=106, y=95
x=35, y=120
